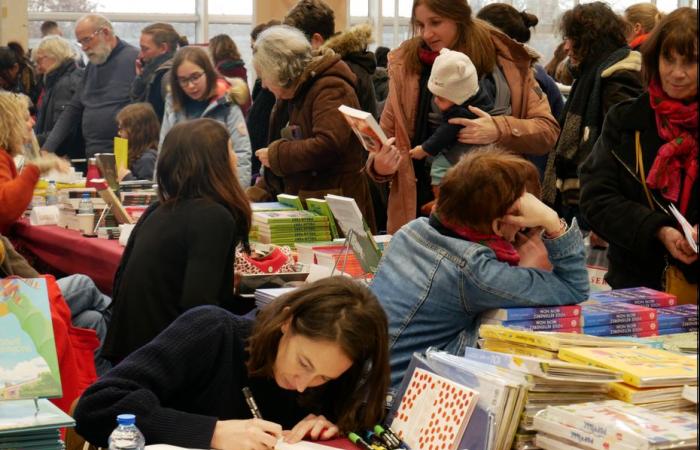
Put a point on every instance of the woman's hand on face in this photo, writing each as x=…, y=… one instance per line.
x=387, y=159
x=316, y=427
x=676, y=244
x=251, y=434
x=262, y=156
x=532, y=251
x=530, y=212
x=479, y=131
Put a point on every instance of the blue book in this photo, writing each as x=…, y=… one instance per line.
x=536, y=313
x=563, y=323
x=630, y=328
x=664, y=331
x=610, y=313
x=639, y=296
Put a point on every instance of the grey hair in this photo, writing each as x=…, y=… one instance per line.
x=97, y=21
x=55, y=47
x=281, y=53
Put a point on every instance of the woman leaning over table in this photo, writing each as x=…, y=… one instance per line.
x=181, y=252
x=626, y=198
x=17, y=188
x=312, y=148
x=316, y=361
x=521, y=122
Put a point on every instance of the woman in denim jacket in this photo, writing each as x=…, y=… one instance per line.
x=439, y=274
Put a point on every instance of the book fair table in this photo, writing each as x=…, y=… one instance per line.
x=70, y=252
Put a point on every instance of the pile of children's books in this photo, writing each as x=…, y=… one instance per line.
x=29, y=368
x=289, y=227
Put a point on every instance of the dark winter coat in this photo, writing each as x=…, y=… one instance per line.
x=615, y=205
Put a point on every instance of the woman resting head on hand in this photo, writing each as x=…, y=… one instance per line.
x=316, y=361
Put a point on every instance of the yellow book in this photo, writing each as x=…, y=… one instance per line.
x=640, y=367
x=550, y=340
x=631, y=394
x=121, y=153
x=496, y=345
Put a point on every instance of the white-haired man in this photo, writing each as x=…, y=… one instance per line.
x=104, y=89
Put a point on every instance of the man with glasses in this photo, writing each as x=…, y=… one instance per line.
x=104, y=89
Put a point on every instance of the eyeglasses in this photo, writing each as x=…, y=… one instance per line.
x=191, y=79
x=87, y=39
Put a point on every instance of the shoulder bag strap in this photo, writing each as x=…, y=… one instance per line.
x=640, y=167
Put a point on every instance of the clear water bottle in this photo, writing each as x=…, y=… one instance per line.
x=85, y=205
x=126, y=436
x=51, y=193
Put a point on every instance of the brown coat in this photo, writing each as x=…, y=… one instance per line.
x=327, y=158
x=531, y=129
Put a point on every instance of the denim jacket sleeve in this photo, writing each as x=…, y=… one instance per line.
x=490, y=284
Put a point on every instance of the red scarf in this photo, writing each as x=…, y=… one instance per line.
x=503, y=249
x=427, y=56
x=677, y=124
x=638, y=41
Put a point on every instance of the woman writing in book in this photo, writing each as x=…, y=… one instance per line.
x=197, y=91
x=315, y=360
x=647, y=160
x=139, y=124
x=17, y=187
x=439, y=274
x=520, y=119
x=312, y=148
x=181, y=252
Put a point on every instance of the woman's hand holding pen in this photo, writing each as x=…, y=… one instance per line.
x=313, y=426
x=251, y=434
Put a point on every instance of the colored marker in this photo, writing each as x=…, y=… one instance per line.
x=388, y=436
x=357, y=440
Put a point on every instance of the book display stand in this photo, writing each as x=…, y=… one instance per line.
x=347, y=248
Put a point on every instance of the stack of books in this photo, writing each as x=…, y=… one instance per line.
x=678, y=319
x=24, y=425
x=264, y=297
x=289, y=227
x=619, y=319
x=614, y=425
x=628, y=325
x=565, y=319
x=136, y=202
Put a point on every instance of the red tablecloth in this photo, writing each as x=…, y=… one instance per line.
x=340, y=443
x=70, y=252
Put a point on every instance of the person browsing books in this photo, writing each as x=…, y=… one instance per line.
x=455, y=87
x=138, y=123
x=315, y=360
x=645, y=160
x=181, y=252
x=521, y=120
x=439, y=274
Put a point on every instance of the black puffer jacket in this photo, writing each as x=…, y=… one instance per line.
x=615, y=205
x=59, y=86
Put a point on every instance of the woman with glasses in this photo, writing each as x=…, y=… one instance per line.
x=197, y=91
x=54, y=58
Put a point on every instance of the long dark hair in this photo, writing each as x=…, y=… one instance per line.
x=340, y=310
x=593, y=29
x=197, y=56
x=195, y=162
x=142, y=128
x=516, y=24
x=473, y=35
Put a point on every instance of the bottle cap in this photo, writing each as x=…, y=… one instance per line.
x=126, y=419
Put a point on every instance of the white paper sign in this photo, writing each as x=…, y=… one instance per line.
x=686, y=226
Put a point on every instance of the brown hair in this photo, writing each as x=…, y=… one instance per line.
x=558, y=56
x=142, y=128
x=516, y=24
x=473, y=35
x=593, y=29
x=645, y=14
x=222, y=47
x=259, y=28
x=165, y=33
x=195, y=162
x=197, y=56
x=311, y=16
x=483, y=185
x=677, y=32
x=340, y=310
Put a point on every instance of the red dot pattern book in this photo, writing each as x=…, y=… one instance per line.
x=433, y=412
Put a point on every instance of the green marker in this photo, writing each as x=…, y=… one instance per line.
x=357, y=440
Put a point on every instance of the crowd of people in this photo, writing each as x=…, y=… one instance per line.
x=496, y=168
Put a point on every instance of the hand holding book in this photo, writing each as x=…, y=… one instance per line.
x=387, y=159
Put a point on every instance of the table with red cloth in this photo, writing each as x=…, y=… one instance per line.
x=70, y=252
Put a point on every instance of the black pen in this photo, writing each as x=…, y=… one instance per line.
x=248, y=394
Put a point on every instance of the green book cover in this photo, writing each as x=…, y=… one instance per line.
x=271, y=206
x=290, y=200
x=289, y=217
x=320, y=207
x=28, y=359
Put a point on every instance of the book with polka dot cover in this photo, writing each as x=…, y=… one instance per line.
x=434, y=412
